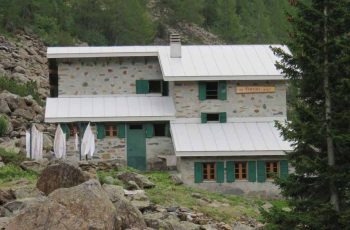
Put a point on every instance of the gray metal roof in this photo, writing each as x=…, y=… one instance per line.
x=197, y=62
x=228, y=139
x=109, y=108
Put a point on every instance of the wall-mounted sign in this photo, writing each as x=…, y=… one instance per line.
x=255, y=89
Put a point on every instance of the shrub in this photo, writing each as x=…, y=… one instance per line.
x=9, y=157
x=3, y=125
x=12, y=172
x=21, y=89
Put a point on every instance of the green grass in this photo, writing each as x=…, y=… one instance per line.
x=226, y=208
x=9, y=157
x=12, y=172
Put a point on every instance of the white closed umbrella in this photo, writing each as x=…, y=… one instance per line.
x=86, y=141
x=92, y=143
x=59, y=143
x=28, y=144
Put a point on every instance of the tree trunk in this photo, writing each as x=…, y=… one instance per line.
x=334, y=199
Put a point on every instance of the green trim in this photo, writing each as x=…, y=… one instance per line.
x=65, y=129
x=222, y=90
x=121, y=130
x=261, y=167
x=142, y=87
x=101, y=132
x=220, y=172
x=165, y=88
x=198, y=172
x=251, y=171
x=149, y=130
x=230, y=171
x=202, y=91
x=283, y=168
x=204, y=117
x=223, y=117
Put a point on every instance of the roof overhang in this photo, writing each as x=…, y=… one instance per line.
x=230, y=153
x=225, y=78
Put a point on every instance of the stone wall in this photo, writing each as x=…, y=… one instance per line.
x=158, y=146
x=185, y=95
x=267, y=189
x=105, y=76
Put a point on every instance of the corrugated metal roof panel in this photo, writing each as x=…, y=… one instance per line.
x=225, y=139
x=200, y=62
x=109, y=108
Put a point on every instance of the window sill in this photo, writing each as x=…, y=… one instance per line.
x=209, y=181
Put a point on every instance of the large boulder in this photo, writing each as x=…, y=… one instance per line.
x=36, y=165
x=62, y=175
x=128, y=216
x=6, y=196
x=85, y=206
x=141, y=180
x=25, y=113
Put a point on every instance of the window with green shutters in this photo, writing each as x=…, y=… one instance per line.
x=212, y=90
x=214, y=117
x=142, y=86
x=261, y=169
x=220, y=172
x=251, y=171
x=230, y=171
x=198, y=172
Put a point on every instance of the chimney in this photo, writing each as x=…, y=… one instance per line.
x=175, y=46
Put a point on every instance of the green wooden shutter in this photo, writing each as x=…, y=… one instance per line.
x=220, y=172
x=198, y=172
x=65, y=130
x=121, y=130
x=251, y=171
x=149, y=130
x=165, y=88
x=222, y=90
x=203, y=117
x=261, y=171
x=100, y=131
x=202, y=90
x=230, y=171
x=223, y=117
x=283, y=168
x=142, y=86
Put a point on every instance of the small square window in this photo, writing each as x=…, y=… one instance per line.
x=159, y=130
x=135, y=127
x=155, y=86
x=209, y=171
x=241, y=170
x=110, y=130
x=212, y=90
x=213, y=117
x=272, y=169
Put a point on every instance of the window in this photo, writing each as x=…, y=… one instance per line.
x=212, y=90
x=213, y=117
x=73, y=129
x=241, y=170
x=110, y=130
x=272, y=169
x=209, y=172
x=155, y=86
x=159, y=130
x=135, y=127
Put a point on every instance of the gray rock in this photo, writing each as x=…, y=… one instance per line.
x=141, y=180
x=240, y=226
x=19, y=69
x=4, y=221
x=47, y=142
x=6, y=196
x=4, y=108
x=140, y=200
x=176, y=179
x=131, y=185
x=114, y=192
x=25, y=113
x=35, y=165
x=27, y=192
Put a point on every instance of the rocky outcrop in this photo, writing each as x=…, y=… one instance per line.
x=6, y=196
x=36, y=165
x=141, y=180
x=62, y=175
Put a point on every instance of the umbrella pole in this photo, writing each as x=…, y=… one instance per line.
x=30, y=140
x=79, y=141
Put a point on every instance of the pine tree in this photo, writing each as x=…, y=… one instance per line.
x=319, y=190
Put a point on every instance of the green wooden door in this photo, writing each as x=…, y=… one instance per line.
x=136, y=146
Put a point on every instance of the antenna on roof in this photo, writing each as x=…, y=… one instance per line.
x=175, y=45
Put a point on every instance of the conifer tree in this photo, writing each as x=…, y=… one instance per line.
x=319, y=190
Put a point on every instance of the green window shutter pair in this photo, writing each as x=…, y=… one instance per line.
x=100, y=131
x=198, y=172
x=65, y=129
x=121, y=130
x=223, y=117
x=142, y=86
x=202, y=95
x=230, y=171
x=149, y=130
x=283, y=168
x=222, y=90
x=261, y=167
